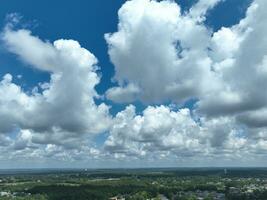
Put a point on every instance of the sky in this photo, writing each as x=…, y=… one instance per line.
x=139, y=83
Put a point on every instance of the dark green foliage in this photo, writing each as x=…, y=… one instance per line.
x=141, y=184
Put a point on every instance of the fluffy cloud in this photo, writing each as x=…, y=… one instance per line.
x=125, y=94
x=62, y=108
x=199, y=10
x=163, y=131
x=163, y=53
x=240, y=62
x=158, y=129
x=169, y=56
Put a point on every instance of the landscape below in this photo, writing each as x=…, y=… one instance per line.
x=138, y=184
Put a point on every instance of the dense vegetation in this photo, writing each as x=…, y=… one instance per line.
x=135, y=184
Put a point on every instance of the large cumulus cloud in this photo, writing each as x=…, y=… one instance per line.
x=163, y=131
x=161, y=51
x=239, y=54
x=162, y=55
x=65, y=105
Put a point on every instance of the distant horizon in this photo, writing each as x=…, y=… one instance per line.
x=214, y=167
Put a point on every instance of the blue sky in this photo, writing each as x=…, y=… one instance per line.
x=212, y=97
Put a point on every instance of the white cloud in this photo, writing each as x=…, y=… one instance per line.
x=123, y=94
x=200, y=9
x=160, y=56
x=160, y=51
x=173, y=57
x=42, y=55
x=64, y=105
x=240, y=62
x=157, y=129
x=162, y=132
x=229, y=84
x=160, y=129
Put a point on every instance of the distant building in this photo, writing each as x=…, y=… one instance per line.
x=2, y=194
x=117, y=198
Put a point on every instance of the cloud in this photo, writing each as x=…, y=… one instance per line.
x=42, y=55
x=4, y=141
x=257, y=118
x=157, y=129
x=200, y=9
x=65, y=105
x=241, y=63
x=160, y=51
x=163, y=134
x=161, y=130
x=160, y=56
x=169, y=56
x=123, y=94
x=177, y=58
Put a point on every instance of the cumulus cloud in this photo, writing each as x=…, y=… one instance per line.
x=161, y=56
x=200, y=9
x=64, y=106
x=157, y=129
x=169, y=56
x=162, y=52
x=123, y=94
x=163, y=131
x=240, y=61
